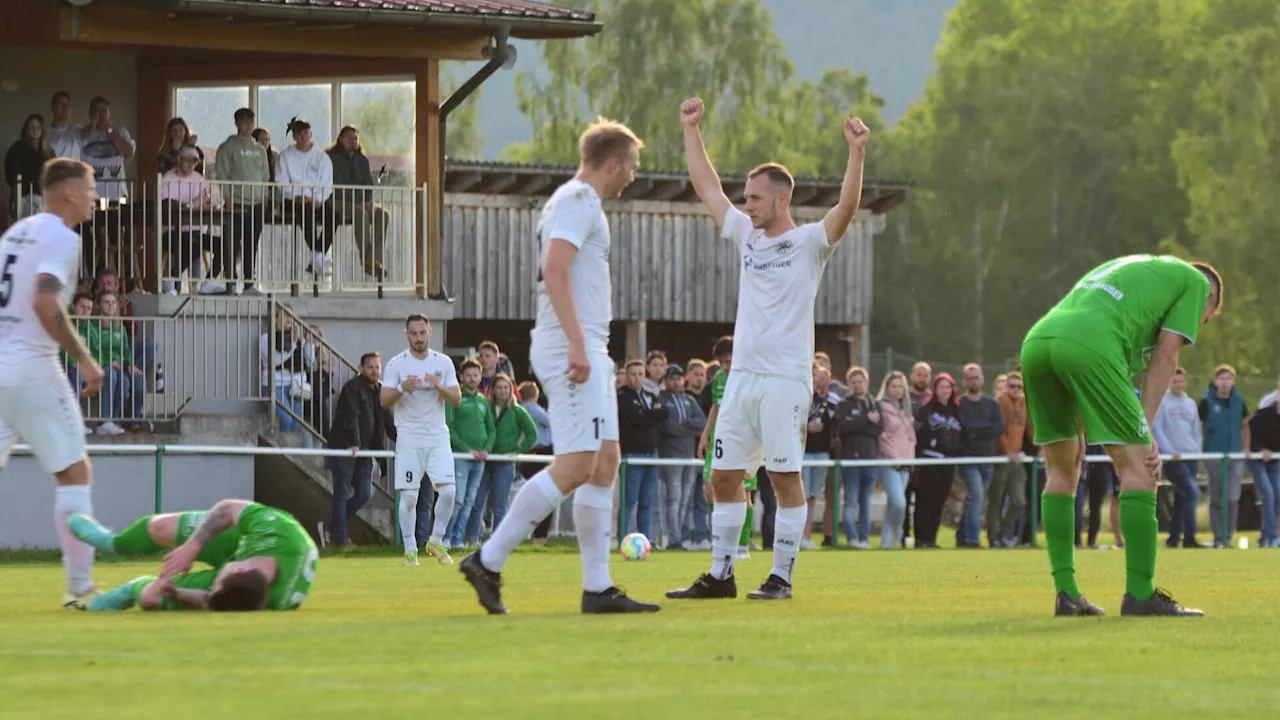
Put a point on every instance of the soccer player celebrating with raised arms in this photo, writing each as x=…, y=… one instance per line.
x=1128, y=315
x=569, y=353
x=38, y=261
x=766, y=397
x=419, y=382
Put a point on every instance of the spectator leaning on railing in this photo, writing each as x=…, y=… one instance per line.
x=1264, y=432
x=1225, y=415
x=306, y=174
x=291, y=364
x=122, y=393
x=471, y=432
x=243, y=163
x=1177, y=432
x=1008, y=492
x=514, y=433
x=678, y=439
x=981, y=423
x=897, y=442
x=356, y=207
x=187, y=199
x=938, y=435
x=359, y=423
x=640, y=412
x=859, y=423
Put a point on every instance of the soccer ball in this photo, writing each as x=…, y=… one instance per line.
x=635, y=547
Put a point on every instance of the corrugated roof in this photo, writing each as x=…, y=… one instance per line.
x=503, y=8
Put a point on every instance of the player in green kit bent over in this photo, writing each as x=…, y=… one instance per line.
x=1127, y=316
x=261, y=559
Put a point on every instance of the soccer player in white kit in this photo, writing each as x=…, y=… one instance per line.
x=570, y=355
x=766, y=401
x=419, y=382
x=39, y=257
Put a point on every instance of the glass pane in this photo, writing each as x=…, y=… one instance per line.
x=210, y=113
x=384, y=114
x=277, y=104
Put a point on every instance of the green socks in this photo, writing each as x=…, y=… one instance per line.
x=1141, y=533
x=1058, y=512
x=745, y=539
x=136, y=539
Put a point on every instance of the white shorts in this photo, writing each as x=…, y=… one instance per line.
x=417, y=465
x=582, y=416
x=761, y=422
x=46, y=415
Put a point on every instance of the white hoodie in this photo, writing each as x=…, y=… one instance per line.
x=312, y=169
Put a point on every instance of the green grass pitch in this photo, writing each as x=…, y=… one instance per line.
x=870, y=634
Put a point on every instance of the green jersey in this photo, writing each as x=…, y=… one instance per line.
x=717, y=394
x=268, y=532
x=1121, y=306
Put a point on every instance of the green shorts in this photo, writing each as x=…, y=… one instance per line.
x=220, y=550
x=1071, y=386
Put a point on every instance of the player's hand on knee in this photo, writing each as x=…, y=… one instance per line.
x=1153, y=462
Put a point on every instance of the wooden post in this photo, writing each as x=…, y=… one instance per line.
x=429, y=280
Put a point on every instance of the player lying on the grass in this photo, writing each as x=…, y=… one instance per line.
x=1129, y=315
x=723, y=353
x=259, y=556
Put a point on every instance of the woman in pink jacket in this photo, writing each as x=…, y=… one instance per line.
x=897, y=442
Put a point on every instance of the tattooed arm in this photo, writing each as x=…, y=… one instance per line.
x=53, y=316
x=220, y=517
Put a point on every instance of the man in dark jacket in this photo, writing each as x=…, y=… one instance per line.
x=857, y=427
x=678, y=439
x=359, y=423
x=356, y=207
x=640, y=413
x=1225, y=415
x=981, y=423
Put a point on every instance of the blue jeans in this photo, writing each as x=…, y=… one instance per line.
x=699, y=509
x=121, y=394
x=1186, y=499
x=642, y=495
x=348, y=474
x=1266, y=481
x=857, y=482
x=977, y=478
x=815, y=478
x=285, y=400
x=495, y=488
x=894, y=482
x=466, y=474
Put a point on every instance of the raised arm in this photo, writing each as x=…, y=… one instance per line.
x=705, y=179
x=838, y=218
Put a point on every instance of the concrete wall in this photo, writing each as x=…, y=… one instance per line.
x=123, y=491
x=36, y=73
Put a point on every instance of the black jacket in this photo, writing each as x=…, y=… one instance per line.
x=352, y=169
x=640, y=414
x=821, y=409
x=981, y=421
x=359, y=420
x=1264, y=430
x=858, y=435
x=27, y=162
x=937, y=431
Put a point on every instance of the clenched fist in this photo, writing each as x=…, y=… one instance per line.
x=691, y=112
x=855, y=132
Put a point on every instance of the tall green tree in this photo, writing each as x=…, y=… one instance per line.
x=662, y=51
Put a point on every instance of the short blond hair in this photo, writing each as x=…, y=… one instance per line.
x=605, y=139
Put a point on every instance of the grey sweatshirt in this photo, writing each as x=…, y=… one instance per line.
x=1177, y=426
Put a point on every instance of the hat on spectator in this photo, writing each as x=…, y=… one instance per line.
x=189, y=152
x=673, y=369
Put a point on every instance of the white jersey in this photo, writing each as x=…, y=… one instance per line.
x=420, y=418
x=40, y=245
x=773, y=333
x=574, y=214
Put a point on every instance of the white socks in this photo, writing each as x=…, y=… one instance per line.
x=77, y=557
x=592, y=516
x=445, y=495
x=788, y=531
x=727, y=520
x=409, y=519
x=536, y=500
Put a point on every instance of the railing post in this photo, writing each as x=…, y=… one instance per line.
x=834, y=478
x=159, y=492
x=1226, y=499
x=1034, y=503
x=622, y=500
x=395, y=513
x=159, y=236
x=271, y=366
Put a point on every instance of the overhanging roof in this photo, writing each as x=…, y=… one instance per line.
x=496, y=178
x=529, y=20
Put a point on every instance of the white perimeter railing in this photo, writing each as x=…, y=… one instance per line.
x=160, y=451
